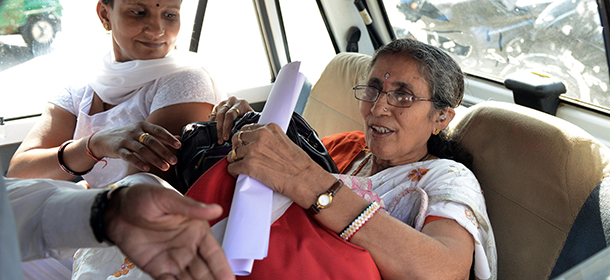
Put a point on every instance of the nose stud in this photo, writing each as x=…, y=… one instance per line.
x=385, y=109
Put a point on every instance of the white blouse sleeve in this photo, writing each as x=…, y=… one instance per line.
x=69, y=98
x=191, y=85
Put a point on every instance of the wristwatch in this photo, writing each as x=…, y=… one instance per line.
x=98, y=210
x=325, y=199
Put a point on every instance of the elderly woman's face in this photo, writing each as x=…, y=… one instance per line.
x=398, y=135
x=142, y=29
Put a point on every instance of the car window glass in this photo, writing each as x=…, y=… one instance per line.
x=307, y=37
x=231, y=45
x=46, y=45
x=558, y=38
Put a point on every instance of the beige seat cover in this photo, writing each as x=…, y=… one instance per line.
x=331, y=107
x=536, y=171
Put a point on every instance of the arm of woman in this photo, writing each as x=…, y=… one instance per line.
x=36, y=157
x=183, y=97
x=443, y=250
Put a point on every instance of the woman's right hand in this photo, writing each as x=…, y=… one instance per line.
x=132, y=145
x=225, y=113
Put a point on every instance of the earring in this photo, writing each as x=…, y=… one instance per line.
x=106, y=26
x=437, y=131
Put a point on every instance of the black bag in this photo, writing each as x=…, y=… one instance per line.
x=200, y=149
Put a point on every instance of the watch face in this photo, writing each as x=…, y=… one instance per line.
x=324, y=200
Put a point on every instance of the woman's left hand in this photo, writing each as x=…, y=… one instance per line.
x=265, y=153
x=141, y=144
x=225, y=113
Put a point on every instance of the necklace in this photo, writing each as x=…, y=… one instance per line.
x=368, y=156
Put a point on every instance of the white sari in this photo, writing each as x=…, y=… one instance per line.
x=438, y=187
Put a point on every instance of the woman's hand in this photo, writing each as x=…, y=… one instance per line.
x=131, y=144
x=225, y=113
x=265, y=153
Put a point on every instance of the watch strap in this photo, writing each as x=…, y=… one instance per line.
x=98, y=210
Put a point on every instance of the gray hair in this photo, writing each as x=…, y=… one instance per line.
x=443, y=75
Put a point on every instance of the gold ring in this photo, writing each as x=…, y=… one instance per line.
x=236, y=110
x=232, y=156
x=143, y=137
x=225, y=105
x=241, y=143
x=212, y=115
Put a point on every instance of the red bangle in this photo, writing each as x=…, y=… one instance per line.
x=91, y=154
x=60, y=160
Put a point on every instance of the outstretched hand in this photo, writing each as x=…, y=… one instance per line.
x=134, y=146
x=163, y=233
x=225, y=113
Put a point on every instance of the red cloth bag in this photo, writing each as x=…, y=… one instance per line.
x=299, y=247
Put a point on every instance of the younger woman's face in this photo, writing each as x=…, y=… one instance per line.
x=141, y=29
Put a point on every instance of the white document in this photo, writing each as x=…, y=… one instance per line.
x=246, y=237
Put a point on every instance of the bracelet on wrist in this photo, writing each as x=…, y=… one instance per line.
x=98, y=211
x=60, y=160
x=357, y=223
x=91, y=153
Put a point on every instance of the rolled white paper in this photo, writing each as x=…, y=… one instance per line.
x=246, y=236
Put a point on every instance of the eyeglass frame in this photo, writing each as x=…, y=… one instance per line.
x=387, y=95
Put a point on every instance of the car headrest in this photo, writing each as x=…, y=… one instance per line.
x=536, y=171
x=331, y=107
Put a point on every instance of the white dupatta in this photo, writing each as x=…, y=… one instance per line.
x=116, y=82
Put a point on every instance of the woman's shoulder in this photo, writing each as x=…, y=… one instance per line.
x=188, y=73
x=451, y=167
x=71, y=96
x=444, y=174
x=189, y=81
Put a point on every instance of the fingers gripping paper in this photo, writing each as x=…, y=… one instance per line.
x=246, y=235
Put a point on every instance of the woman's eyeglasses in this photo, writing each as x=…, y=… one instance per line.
x=396, y=98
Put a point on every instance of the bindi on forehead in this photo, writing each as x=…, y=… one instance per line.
x=387, y=76
x=157, y=4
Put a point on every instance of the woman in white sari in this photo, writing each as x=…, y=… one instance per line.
x=433, y=222
x=123, y=120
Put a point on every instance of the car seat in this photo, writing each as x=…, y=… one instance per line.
x=332, y=107
x=536, y=172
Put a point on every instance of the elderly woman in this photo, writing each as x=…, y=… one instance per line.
x=434, y=224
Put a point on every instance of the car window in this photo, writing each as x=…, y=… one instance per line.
x=307, y=37
x=231, y=45
x=66, y=40
x=495, y=38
